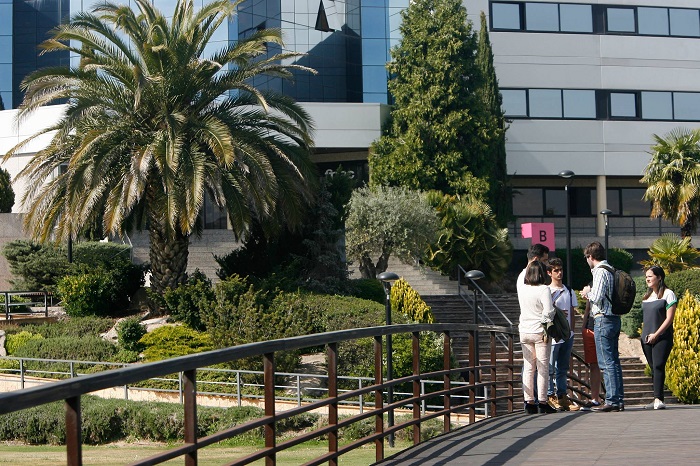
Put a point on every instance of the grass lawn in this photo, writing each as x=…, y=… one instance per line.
x=124, y=453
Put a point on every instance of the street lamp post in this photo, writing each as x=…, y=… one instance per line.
x=605, y=213
x=387, y=278
x=569, y=176
x=475, y=275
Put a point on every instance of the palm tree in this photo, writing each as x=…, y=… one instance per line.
x=672, y=177
x=152, y=124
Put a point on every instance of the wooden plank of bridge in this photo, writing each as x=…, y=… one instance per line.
x=635, y=436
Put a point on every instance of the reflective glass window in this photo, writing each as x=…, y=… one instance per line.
x=5, y=49
x=514, y=102
x=374, y=23
x=5, y=100
x=686, y=106
x=576, y=18
x=5, y=20
x=623, y=105
x=505, y=16
x=555, y=202
x=613, y=199
x=684, y=22
x=632, y=203
x=528, y=201
x=374, y=79
x=5, y=77
x=579, y=104
x=653, y=21
x=657, y=106
x=374, y=52
x=545, y=103
x=620, y=19
x=541, y=17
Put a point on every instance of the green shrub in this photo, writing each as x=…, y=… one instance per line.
x=18, y=340
x=129, y=332
x=631, y=322
x=683, y=366
x=407, y=301
x=35, y=267
x=174, y=340
x=72, y=327
x=85, y=348
x=190, y=301
x=7, y=195
x=684, y=280
x=368, y=288
x=85, y=294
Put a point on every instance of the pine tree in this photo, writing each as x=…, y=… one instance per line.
x=437, y=137
x=500, y=193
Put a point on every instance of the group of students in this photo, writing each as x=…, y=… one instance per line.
x=546, y=363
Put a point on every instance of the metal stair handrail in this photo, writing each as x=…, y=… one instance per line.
x=472, y=302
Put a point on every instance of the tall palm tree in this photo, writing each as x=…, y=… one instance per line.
x=673, y=177
x=152, y=124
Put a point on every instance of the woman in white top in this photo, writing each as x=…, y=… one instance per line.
x=658, y=308
x=535, y=309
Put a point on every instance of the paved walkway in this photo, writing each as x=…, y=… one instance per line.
x=633, y=437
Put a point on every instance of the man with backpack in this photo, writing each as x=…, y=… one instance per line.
x=606, y=326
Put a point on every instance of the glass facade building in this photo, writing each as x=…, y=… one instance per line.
x=346, y=42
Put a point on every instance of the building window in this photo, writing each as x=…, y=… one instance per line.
x=528, y=202
x=576, y=18
x=657, y=106
x=620, y=20
x=684, y=22
x=623, y=105
x=514, y=102
x=542, y=16
x=579, y=104
x=545, y=103
x=505, y=16
x=652, y=21
x=632, y=202
x=686, y=106
x=213, y=217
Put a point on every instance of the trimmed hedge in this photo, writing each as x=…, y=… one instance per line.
x=106, y=421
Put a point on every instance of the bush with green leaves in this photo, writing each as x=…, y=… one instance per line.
x=190, y=300
x=70, y=327
x=406, y=300
x=683, y=366
x=85, y=294
x=35, y=267
x=631, y=322
x=684, y=280
x=367, y=288
x=129, y=332
x=105, y=421
x=468, y=236
x=7, y=194
x=171, y=341
x=673, y=253
x=15, y=341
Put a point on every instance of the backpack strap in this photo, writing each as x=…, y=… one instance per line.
x=612, y=272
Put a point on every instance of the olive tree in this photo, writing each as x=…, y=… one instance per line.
x=388, y=220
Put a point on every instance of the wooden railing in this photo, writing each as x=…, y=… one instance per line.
x=484, y=378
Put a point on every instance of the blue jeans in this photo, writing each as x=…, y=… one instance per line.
x=607, y=334
x=559, y=367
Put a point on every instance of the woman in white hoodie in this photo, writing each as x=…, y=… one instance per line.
x=535, y=309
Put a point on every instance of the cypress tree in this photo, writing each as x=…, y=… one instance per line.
x=500, y=194
x=437, y=137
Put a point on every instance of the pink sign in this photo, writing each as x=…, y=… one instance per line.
x=542, y=233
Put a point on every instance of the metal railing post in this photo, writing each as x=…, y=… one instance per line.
x=190, y=421
x=446, y=365
x=74, y=444
x=378, y=399
x=333, y=406
x=270, y=427
x=415, y=339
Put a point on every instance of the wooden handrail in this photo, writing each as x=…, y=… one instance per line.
x=72, y=389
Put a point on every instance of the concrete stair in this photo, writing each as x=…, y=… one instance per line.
x=425, y=281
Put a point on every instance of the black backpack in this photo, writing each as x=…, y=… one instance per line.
x=624, y=291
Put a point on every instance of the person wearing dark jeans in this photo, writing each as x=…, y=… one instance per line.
x=658, y=308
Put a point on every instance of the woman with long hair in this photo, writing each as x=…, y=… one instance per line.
x=658, y=308
x=535, y=309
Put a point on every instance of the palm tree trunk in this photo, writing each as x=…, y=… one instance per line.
x=168, y=254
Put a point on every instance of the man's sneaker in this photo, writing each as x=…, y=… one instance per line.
x=650, y=405
x=658, y=404
x=553, y=401
x=606, y=408
x=589, y=405
x=530, y=408
x=567, y=405
x=545, y=408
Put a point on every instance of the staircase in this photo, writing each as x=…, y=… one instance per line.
x=425, y=281
x=452, y=309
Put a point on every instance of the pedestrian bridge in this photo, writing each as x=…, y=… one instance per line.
x=635, y=437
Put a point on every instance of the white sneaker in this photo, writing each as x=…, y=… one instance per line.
x=658, y=404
